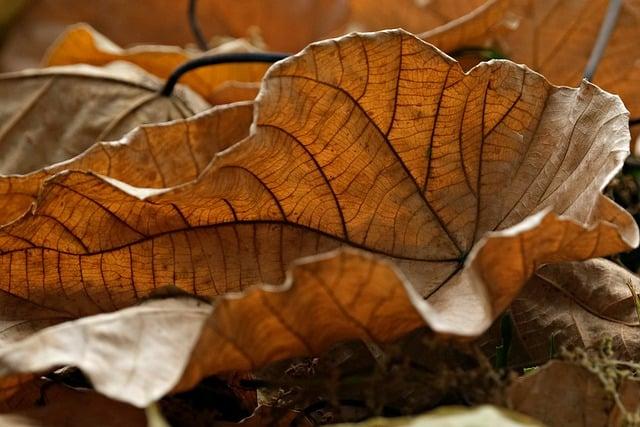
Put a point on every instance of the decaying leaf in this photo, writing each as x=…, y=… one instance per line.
x=349, y=294
x=326, y=299
x=144, y=21
x=469, y=30
x=50, y=115
x=81, y=44
x=387, y=146
x=369, y=200
x=566, y=394
x=450, y=25
x=271, y=416
x=151, y=156
x=556, y=39
x=10, y=9
x=449, y=416
x=333, y=18
x=65, y=407
x=413, y=16
x=579, y=304
x=283, y=25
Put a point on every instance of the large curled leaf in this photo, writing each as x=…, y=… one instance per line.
x=151, y=156
x=81, y=44
x=375, y=141
x=50, y=115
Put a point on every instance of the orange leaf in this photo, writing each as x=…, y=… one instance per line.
x=81, y=44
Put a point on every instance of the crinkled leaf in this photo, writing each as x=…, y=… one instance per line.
x=50, y=115
x=281, y=24
x=152, y=156
x=81, y=44
x=387, y=147
x=66, y=407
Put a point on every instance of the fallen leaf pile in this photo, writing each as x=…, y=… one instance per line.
x=161, y=254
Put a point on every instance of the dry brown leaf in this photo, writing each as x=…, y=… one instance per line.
x=469, y=30
x=143, y=21
x=326, y=299
x=556, y=39
x=20, y=392
x=448, y=24
x=151, y=156
x=50, y=115
x=459, y=416
x=310, y=21
x=67, y=407
x=270, y=416
x=580, y=304
x=389, y=148
x=283, y=24
x=81, y=44
x=134, y=355
x=232, y=91
x=413, y=16
x=564, y=394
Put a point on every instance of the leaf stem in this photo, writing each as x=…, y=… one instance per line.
x=608, y=24
x=225, y=58
x=201, y=41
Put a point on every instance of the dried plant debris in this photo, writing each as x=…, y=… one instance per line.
x=242, y=213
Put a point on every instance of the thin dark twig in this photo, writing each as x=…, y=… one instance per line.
x=633, y=122
x=195, y=25
x=225, y=58
x=608, y=24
